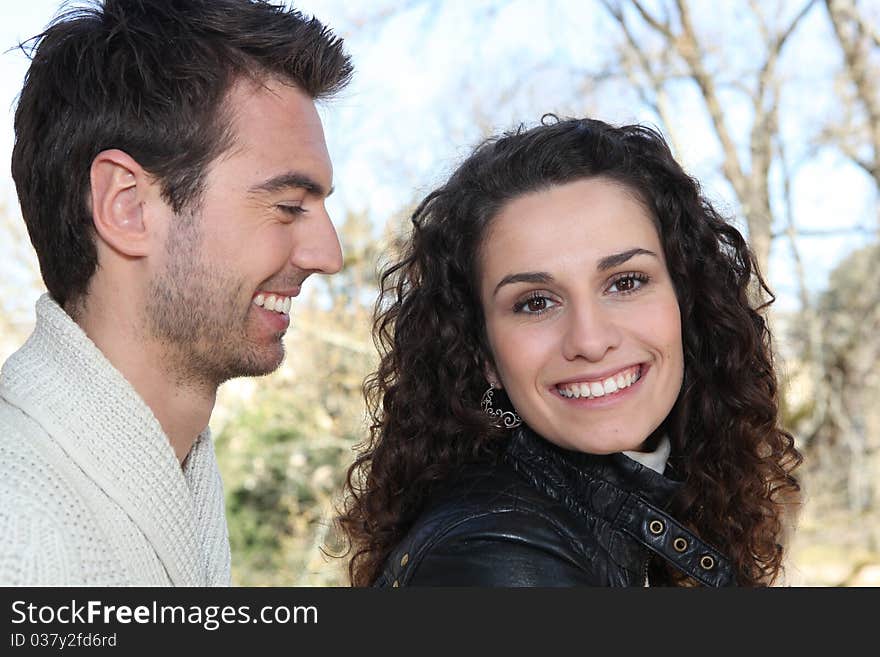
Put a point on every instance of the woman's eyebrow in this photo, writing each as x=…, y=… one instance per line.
x=524, y=277
x=608, y=262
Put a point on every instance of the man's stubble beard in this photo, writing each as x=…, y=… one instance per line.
x=192, y=311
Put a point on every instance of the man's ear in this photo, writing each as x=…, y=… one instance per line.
x=118, y=185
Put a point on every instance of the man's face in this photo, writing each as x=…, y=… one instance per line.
x=219, y=300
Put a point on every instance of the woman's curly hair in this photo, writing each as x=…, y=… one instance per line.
x=424, y=399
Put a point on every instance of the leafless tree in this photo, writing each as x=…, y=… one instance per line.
x=858, y=136
x=684, y=54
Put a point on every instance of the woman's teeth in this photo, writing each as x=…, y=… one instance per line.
x=273, y=302
x=587, y=389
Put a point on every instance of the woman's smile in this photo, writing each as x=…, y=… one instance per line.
x=597, y=386
x=582, y=317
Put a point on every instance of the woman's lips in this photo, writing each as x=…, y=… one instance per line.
x=597, y=387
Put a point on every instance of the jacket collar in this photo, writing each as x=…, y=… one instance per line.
x=632, y=498
x=581, y=475
x=61, y=379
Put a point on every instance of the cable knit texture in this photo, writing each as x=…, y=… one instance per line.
x=91, y=492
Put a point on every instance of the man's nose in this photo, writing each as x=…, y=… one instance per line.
x=590, y=332
x=318, y=249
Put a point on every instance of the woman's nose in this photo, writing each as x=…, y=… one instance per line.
x=590, y=333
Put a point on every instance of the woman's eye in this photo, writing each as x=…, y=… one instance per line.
x=628, y=283
x=534, y=305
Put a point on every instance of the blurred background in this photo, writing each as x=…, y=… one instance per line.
x=774, y=105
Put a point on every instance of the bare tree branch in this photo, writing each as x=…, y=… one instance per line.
x=688, y=46
x=749, y=178
x=663, y=27
x=848, y=9
x=813, y=358
x=659, y=103
x=786, y=33
x=830, y=232
x=848, y=28
x=790, y=229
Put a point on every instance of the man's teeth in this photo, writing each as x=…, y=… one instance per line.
x=609, y=386
x=273, y=302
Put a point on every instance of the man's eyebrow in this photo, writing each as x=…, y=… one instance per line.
x=291, y=180
x=524, y=277
x=608, y=262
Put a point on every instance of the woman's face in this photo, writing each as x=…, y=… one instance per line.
x=582, y=317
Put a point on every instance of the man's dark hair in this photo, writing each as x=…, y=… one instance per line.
x=148, y=77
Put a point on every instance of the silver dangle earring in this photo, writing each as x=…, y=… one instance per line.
x=505, y=419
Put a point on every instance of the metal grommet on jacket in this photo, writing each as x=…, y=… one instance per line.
x=664, y=536
x=544, y=516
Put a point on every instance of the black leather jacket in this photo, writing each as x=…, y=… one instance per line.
x=550, y=517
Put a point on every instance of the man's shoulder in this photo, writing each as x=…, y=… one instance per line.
x=35, y=472
x=45, y=522
x=21, y=437
x=31, y=522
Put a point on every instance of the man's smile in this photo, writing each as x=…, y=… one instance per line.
x=276, y=302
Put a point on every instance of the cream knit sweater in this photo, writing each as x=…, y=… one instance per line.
x=91, y=492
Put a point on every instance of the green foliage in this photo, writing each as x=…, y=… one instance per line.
x=280, y=473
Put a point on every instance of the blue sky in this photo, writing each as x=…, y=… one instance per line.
x=422, y=97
